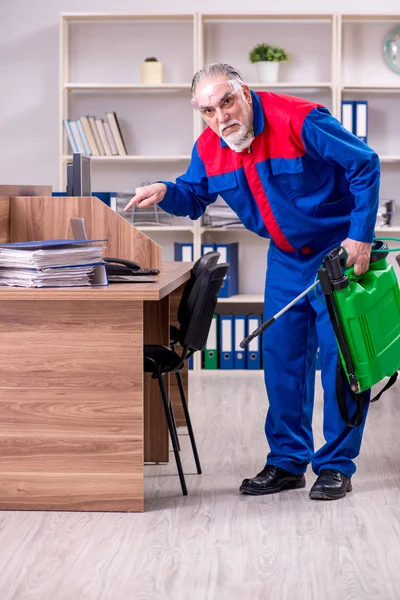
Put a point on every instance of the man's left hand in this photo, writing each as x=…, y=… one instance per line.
x=358, y=254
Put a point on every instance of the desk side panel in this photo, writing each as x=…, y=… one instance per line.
x=4, y=219
x=44, y=218
x=71, y=400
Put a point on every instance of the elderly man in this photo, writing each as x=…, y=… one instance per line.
x=293, y=174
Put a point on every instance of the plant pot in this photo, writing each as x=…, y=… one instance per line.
x=151, y=72
x=267, y=71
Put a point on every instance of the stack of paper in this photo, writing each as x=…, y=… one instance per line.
x=51, y=263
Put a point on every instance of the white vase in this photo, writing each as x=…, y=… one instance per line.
x=267, y=71
x=151, y=72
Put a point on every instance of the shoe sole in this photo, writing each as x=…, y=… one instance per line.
x=285, y=486
x=330, y=496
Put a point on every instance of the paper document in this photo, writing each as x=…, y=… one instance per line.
x=52, y=263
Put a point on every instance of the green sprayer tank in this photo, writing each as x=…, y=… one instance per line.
x=367, y=313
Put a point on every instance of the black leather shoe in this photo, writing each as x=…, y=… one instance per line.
x=330, y=485
x=272, y=480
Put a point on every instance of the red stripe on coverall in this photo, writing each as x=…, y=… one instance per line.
x=257, y=189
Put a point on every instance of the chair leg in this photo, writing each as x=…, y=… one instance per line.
x=172, y=413
x=188, y=421
x=171, y=410
x=174, y=440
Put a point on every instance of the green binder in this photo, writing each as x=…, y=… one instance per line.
x=211, y=349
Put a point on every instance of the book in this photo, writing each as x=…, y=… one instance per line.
x=70, y=135
x=86, y=147
x=77, y=136
x=92, y=121
x=111, y=141
x=103, y=137
x=116, y=132
x=89, y=136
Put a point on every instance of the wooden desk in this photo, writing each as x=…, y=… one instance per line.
x=77, y=421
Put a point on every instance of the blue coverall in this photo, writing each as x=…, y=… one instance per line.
x=308, y=184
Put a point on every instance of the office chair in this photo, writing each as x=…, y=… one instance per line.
x=195, y=322
x=204, y=262
x=207, y=260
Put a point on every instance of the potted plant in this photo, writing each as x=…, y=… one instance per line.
x=267, y=58
x=151, y=71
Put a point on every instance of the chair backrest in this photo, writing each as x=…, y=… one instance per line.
x=200, y=306
x=202, y=264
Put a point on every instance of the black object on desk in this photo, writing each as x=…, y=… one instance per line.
x=125, y=271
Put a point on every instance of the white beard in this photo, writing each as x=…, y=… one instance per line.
x=240, y=140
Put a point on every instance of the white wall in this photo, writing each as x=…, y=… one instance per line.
x=29, y=68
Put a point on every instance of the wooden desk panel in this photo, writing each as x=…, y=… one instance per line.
x=71, y=389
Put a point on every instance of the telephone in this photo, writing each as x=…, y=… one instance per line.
x=120, y=267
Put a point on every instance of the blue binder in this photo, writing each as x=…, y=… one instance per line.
x=254, y=347
x=347, y=117
x=207, y=248
x=361, y=119
x=226, y=342
x=239, y=359
x=229, y=254
x=183, y=252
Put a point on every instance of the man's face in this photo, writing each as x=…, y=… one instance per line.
x=226, y=107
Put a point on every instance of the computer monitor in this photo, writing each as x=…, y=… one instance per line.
x=78, y=176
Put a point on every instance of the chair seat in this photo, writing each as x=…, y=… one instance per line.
x=165, y=358
x=173, y=335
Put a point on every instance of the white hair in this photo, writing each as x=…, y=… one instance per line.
x=214, y=70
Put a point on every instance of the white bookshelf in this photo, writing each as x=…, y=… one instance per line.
x=333, y=57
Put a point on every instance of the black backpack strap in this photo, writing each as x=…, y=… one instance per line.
x=341, y=381
x=389, y=384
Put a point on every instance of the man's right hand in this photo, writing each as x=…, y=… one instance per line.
x=147, y=195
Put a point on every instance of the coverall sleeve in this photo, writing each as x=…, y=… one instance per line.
x=325, y=138
x=189, y=196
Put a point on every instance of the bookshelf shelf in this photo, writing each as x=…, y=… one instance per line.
x=225, y=229
x=136, y=158
x=378, y=88
x=162, y=87
x=165, y=228
x=243, y=299
x=387, y=231
x=81, y=17
x=290, y=84
x=386, y=158
x=233, y=372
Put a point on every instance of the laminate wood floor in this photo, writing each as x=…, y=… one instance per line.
x=216, y=544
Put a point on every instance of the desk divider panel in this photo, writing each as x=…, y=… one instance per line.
x=48, y=217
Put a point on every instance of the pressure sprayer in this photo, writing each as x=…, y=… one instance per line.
x=365, y=315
